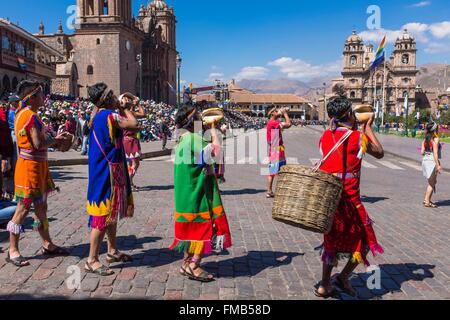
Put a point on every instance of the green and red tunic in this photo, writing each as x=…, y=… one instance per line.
x=201, y=225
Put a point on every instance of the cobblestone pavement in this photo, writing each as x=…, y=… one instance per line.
x=269, y=260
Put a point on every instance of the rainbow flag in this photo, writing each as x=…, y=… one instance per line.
x=380, y=56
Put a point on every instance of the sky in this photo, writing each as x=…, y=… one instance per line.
x=267, y=39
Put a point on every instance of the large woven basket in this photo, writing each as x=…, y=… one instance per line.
x=306, y=199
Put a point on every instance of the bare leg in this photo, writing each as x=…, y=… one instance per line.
x=18, y=218
x=326, y=286
x=41, y=215
x=111, y=232
x=96, y=239
x=186, y=260
x=428, y=194
x=270, y=184
x=347, y=271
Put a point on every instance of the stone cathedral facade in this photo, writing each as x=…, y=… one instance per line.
x=106, y=45
x=364, y=86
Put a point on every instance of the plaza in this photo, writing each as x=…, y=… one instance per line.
x=268, y=260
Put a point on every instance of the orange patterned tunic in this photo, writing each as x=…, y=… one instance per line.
x=32, y=177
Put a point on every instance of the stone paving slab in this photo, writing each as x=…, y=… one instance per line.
x=269, y=260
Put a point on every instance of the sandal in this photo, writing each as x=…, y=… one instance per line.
x=203, y=277
x=18, y=262
x=118, y=257
x=347, y=290
x=102, y=271
x=183, y=271
x=270, y=195
x=58, y=251
x=430, y=205
x=329, y=294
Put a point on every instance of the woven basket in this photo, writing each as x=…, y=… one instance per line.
x=306, y=199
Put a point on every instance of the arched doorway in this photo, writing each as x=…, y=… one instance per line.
x=74, y=91
x=6, y=84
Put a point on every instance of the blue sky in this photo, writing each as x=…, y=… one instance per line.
x=267, y=39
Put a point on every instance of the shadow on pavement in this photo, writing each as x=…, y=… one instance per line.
x=392, y=278
x=156, y=188
x=445, y=203
x=242, y=191
x=373, y=199
x=60, y=175
x=251, y=264
x=124, y=243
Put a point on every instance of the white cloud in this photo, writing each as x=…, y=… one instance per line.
x=437, y=47
x=421, y=4
x=252, y=73
x=301, y=70
x=214, y=76
x=377, y=35
x=433, y=35
x=440, y=30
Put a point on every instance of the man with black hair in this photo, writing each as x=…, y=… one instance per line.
x=201, y=225
x=276, y=149
x=352, y=235
x=109, y=193
x=32, y=179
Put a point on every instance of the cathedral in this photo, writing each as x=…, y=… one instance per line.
x=130, y=54
x=364, y=86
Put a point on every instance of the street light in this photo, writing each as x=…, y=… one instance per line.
x=179, y=60
x=140, y=63
x=406, y=112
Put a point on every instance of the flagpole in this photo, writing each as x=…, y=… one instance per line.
x=384, y=91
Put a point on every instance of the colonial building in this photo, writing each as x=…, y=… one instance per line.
x=258, y=104
x=128, y=53
x=23, y=56
x=365, y=86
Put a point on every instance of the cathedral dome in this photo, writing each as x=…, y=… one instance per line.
x=159, y=5
x=354, y=37
x=406, y=35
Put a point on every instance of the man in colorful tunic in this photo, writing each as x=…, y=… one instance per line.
x=109, y=194
x=32, y=179
x=352, y=235
x=201, y=225
x=276, y=150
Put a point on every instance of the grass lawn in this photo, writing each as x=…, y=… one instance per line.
x=419, y=135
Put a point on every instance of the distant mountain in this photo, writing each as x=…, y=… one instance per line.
x=275, y=86
x=434, y=77
x=431, y=77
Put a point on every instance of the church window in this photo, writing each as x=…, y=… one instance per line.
x=20, y=49
x=105, y=8
x=90, y=70
x=127, y=66
x=90, y=7
x=5, y=42
x=405, y=93
x=405, y=58
x=353, y=94
x=353, y=60
x=98, y=41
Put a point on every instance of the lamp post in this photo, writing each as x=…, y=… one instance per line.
x=139, y=60
x=179, y=60
x=406, y=112
x=324, y=102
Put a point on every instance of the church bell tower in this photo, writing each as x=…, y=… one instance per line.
x=103, y=12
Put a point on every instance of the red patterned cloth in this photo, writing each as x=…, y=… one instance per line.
x=352, y=233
